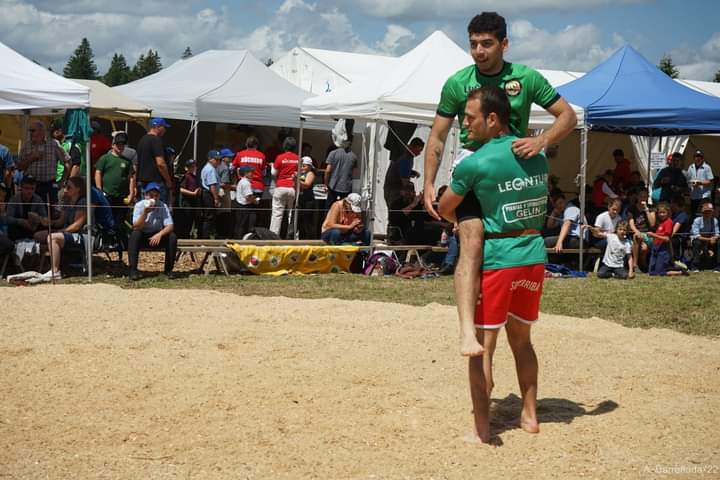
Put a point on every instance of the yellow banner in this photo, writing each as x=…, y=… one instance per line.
x=284, y=260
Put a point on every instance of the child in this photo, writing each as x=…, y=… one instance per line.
x=618, y=250
x=660, y=250
x=246, y=199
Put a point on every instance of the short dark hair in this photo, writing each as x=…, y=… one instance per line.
x=557, y=194
x=289, y=144
x=28, y=180
x=678, y=200
x=417, y=142
x=492, y=100
x=489, y=22
x=618, y=152
x=252, y=142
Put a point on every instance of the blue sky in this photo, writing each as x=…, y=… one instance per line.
x=558, y=34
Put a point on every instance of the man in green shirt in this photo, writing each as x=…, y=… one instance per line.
x=524, y=86
x=512, y=194
x=114, y=176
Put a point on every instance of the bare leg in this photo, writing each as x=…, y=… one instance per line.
x=467, y=283
x=526, y=365
x=56, y=243
x=481, y=386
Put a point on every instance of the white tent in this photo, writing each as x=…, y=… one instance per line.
x=26, y=86
x=323, y=71
x=108, y=103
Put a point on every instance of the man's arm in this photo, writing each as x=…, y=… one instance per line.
x=448, y=203
x=214, y=192
x=98, y=180
x=163, y=169
x=27, y=156
x=139, y=222
x=563, y=234
x=433, y=155
x=565, y=122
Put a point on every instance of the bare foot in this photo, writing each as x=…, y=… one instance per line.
x=470, y=347
x=473, y=437
x=529, y=423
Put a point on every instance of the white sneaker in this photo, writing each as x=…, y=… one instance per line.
x=50, y=275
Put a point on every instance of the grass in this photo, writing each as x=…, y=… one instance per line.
x=684, y=304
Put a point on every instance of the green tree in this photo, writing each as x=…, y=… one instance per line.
x=119, y=73
x=668, y=67
x=717, y=77
x=147, y=64
x=81, y=64
x=187, y=53
x=269, y=62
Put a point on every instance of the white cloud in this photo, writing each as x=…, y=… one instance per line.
x=429, y=9
x=698, y=64
x=398, y=39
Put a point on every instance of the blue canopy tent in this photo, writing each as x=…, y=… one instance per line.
x=627, y=94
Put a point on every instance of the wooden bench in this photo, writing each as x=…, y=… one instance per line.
x=412, y=251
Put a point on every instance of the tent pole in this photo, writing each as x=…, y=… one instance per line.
x=195, y=141
x=373, y=182
x=296, y=233
x=88, y=205
x=583, y=180
x=649, y=169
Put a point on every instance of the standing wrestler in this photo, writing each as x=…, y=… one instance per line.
x=512, y=194
x=524, y=86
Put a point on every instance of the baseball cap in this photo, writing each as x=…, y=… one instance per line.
x=189, y=162
x=170, y=151
x=151, y=186
x=354, y=201
x=307, y=161
x=245, y=169
x=213, y=154
x=707, y=207
x=159, y=122
x=120, y=138
x=226, y=152
x=699, y=153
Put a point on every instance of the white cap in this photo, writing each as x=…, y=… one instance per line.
x=307, y=161
x=354, y=201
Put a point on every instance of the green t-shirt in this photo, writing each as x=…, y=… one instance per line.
x=116, y=172
x=523, y=85
x=513, y=196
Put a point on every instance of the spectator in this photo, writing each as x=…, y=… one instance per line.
x=621, y=175
x=670, y=180
x=63, y=168
x=225, y=218
x=700, y=180
x=568, y=215
x=617, y=254
x=636, y=181
x=704, y=234
x=284, y=170
x=210, y=197
x=606, y=222
x=255, y=159
x=152, y=227
x=39, y=159
x=601, y=190
x=681, y=227
x=189, y=201
x=25, y=211
x=306, y=151
x=67, y=228
x=640, y=219
x=100, y=144
x=339, y=172
x=408, y=216
x=343, y=223
x=115, y=177
x=6, y=160
x=245, y=214
x=400, y=171
x=152, y=166
x=307, y=200
x=6, y=245
x=660, y=250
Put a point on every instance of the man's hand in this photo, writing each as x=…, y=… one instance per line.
x=155, y=240
x=528, y=147
x=558, y=247
x=429, y=198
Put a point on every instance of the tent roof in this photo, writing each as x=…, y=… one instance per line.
x=351, y=66
x=109, y=103
x=628, y=94
x=25, y=85
x=407, y=91
x=228, y=86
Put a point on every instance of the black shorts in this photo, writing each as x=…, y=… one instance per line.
x=469, y=208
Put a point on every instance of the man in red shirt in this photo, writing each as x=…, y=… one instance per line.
x=255, y=159
x=621, y=175
x=284, y=170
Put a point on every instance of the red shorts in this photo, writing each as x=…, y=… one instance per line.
x=509, y=291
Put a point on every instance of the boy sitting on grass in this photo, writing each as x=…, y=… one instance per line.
x=617, y=252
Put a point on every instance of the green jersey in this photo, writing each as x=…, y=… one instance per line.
x=523, y=85
x=513, y=196
x=116, y=172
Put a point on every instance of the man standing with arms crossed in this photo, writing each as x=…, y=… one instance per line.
x=152, y=167
x=512, y=193
x=524, y=86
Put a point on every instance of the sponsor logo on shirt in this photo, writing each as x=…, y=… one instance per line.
x=513, y=88
x=524, y=210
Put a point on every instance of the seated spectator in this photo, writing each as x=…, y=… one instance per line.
x=660, y=250
x=343, y=223
x=601, y=190
x=670, y=180
x=152, y=227
x=636, y=181
x=705, y=234
x=407, y=215
x=640, y=220
x=681, y=227
x=6, y=245
x=24, y=211
x=568, y=215
x=245, y=214
x=606, y=222
x=67, y=228
x=617, y=255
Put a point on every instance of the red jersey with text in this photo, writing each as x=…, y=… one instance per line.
x=254, y=159
x=286, y=166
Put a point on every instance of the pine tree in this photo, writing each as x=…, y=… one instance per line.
x=187, y=53
x=269, y=62
x=147, y=64
x=81, y=64
x=119, y=73
x=717, y=77
x=666, y=65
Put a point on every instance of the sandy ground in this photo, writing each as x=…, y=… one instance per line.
x=198, y=384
